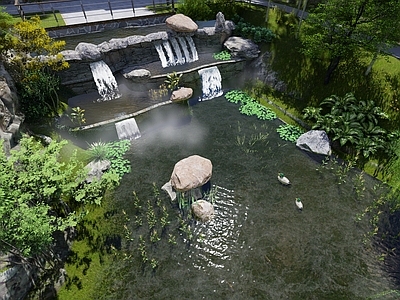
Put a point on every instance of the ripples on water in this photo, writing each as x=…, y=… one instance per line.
x=216, y=240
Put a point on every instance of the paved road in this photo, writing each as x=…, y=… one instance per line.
x=87, y=11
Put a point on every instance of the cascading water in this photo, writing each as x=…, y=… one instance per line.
x=127, y=129
x=176, y=51
x=211, y=83
x=105, y=81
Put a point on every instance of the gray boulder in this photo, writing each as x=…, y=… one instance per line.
x=137, y=74
x=203, y=210
x=88, y=51
x=190, y=173
x=223, y=26
x=168, y=188
x=181, y=94
x=96, y=169
x=315, y=141
x=241, y=48
x=181, y=23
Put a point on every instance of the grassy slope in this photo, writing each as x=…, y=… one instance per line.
x=47, y=20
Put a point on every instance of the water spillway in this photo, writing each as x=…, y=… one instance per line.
x=105, y=81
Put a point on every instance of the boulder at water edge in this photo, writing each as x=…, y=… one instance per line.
x=203, y=210
x=190, y=173
x=315, y=141
x=96, y=169
x=181, y=23
x=181, y=94
x=241, y=48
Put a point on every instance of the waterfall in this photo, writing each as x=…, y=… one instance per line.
x=105, y=81
x=211, y=83
x=127, y=129
x=176, y=51
x=192, y=48
x=180, y=60
x=161, y=55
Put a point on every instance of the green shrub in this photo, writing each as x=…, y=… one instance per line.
x=256, y=33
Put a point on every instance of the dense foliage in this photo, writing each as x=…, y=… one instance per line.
x=353, y=123
x=31, y=57
x=256, y=33
x=38, y=194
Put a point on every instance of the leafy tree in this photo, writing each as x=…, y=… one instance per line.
x=340, y=28
x=32, y=57
x=38, y=193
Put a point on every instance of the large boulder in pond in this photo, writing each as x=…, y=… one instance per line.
x=203, y=210
x=315, y=141
x=181, y=94
x=190, y=173
x=181, y=23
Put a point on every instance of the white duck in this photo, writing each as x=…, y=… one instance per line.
x=299, y=204
x=282, y=179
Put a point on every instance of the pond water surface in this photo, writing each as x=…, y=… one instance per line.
x=259, y=245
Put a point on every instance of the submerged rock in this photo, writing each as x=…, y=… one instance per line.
x=203, y=210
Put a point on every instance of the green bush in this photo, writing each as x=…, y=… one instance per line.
x=256, y=33
x=197, y=10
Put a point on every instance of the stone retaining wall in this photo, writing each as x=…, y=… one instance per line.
x=130, y=52
x=80, y=29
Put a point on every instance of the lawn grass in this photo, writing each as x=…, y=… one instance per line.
x=47, y=20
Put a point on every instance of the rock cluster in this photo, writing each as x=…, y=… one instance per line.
x=10, y=121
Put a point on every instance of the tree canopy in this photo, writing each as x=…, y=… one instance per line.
x=340, y=28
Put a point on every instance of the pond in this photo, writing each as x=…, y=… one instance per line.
x=259, y=245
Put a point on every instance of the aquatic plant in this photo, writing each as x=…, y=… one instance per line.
x=171, y=239
x=252, y=108
x=289, y=132
x=77, y=116
x=97, y=151
x=237, y=96
x=151, y=216
x=223, y=55
x=172, y=80
x=249, y=106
